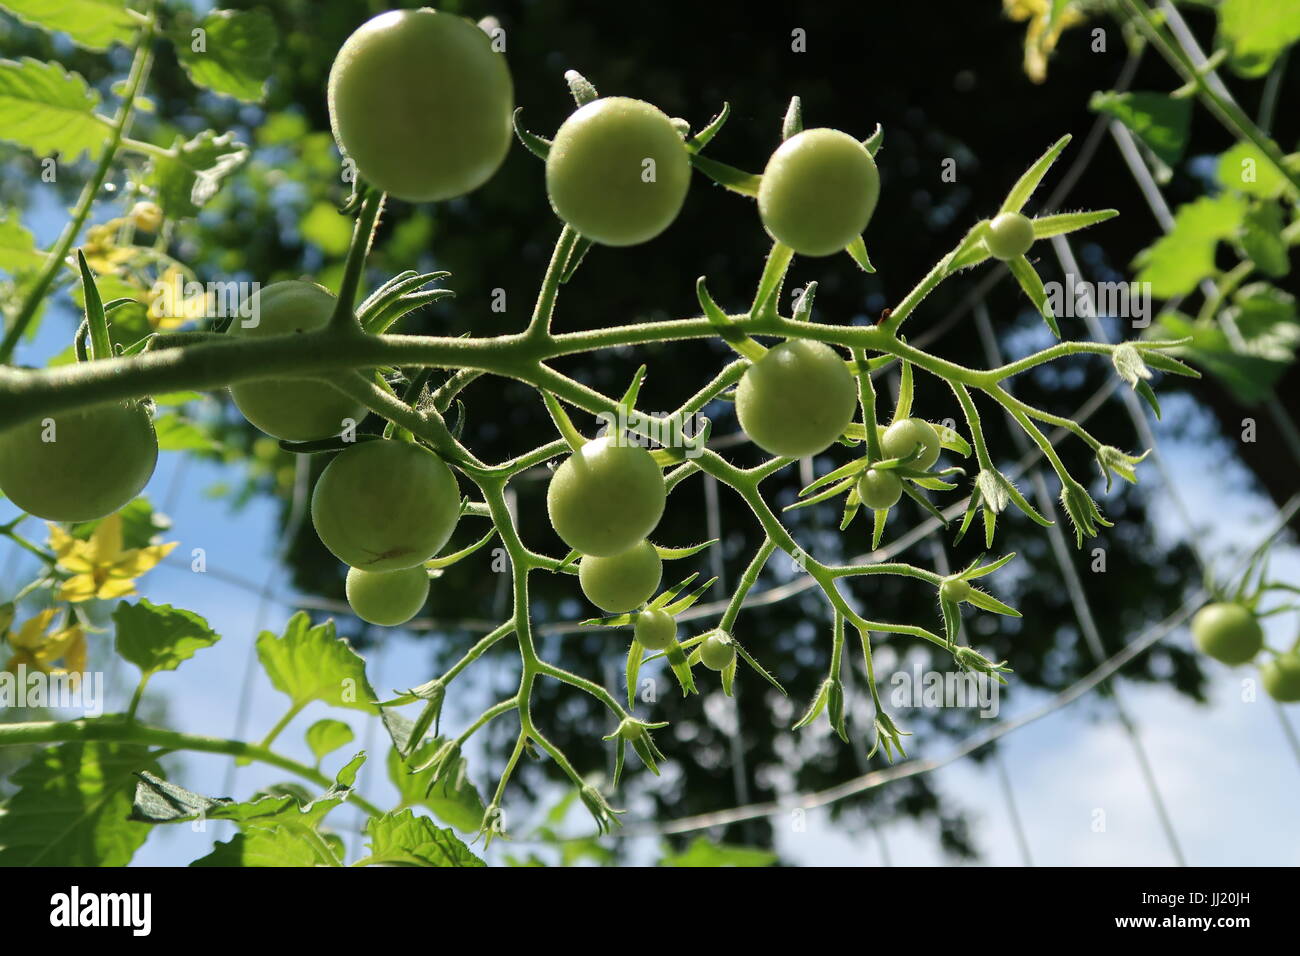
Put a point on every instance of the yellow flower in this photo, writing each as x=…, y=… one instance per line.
x=99, y=566
x=168, y=305
x=39, y=649
x=1048, y=19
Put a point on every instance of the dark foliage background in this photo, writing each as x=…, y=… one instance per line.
x=945, y=81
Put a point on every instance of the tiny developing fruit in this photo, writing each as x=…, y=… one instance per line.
x=286, y=408
x=606, y=497
x=1010, y=235
x=618, y=171
x=903, y=437
x=623, y=581
x=78, y=466
x=655, y=630
x=1227, y=632
x=818, y=192
x=717, y=651
x=387, y=598
x=385, y=505
x=422, y=103
x=879, y=489
x=797, y=399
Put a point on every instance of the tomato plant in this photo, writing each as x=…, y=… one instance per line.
x=420, y=104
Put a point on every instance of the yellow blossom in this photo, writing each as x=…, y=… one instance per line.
x=40, y=649
x=1048, y=19
x=99, y=566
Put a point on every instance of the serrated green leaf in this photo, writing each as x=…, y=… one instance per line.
x=453, y=798
x=705, y=852
x=159, y=637
x=263, y=846
x=1256, y=32
x=92, y=24
x=403, y=839
x=71, y=806
x=1161, y=121
x=312, y=663
x=193, y=171
x=328, y=735
x=1176, y=262
x=1246, y=169
x=18, y=252
x=48, y=110
x=237, y=55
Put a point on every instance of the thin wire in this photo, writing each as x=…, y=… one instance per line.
x=1079, y=601
x=1017, y=825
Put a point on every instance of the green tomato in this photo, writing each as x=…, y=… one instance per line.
x=1227, y=632
x=902, y=438
x=1280, y=676
x=655, y=630
x=797, y=399
x=606, y=497
x=955, y=590
x=385, y=505
x=422, y=104
x=79, y=465
x=717, y=651
x=387, y=598
x=1010, y=235
x=292, y=409
x=618, y=171
x=623, y=581
x=818, y=192
x=879, y=489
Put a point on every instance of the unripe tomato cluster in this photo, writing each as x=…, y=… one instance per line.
x=1230, y=632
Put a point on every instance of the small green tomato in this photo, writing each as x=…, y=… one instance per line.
x=1010, y=235
x=1281, y=677
x=385, y=505
x=879, y=489
x=717, y=651
x=655, y=630
x=606, y=497
x=1227, y=632
x=955, y=590
x=623, y=581
x=387, y=598
x=902, y=438
x=818, y=191
x=797, y=399
x=78, y=465
x=618, y=171
x=288, y=408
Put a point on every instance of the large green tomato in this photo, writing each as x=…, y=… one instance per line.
x=1227, y=632
x=292, y=409
x=1010, y=235
x=655, y=630
x=1281, y=677
x=621, y=582
x=818, y=191
x=385, y=505
x=387, y=598
x=618, y=171
x=81, y=465
x=606, y=497
x=422, y=104
x=904, y=436
x=797, y=399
